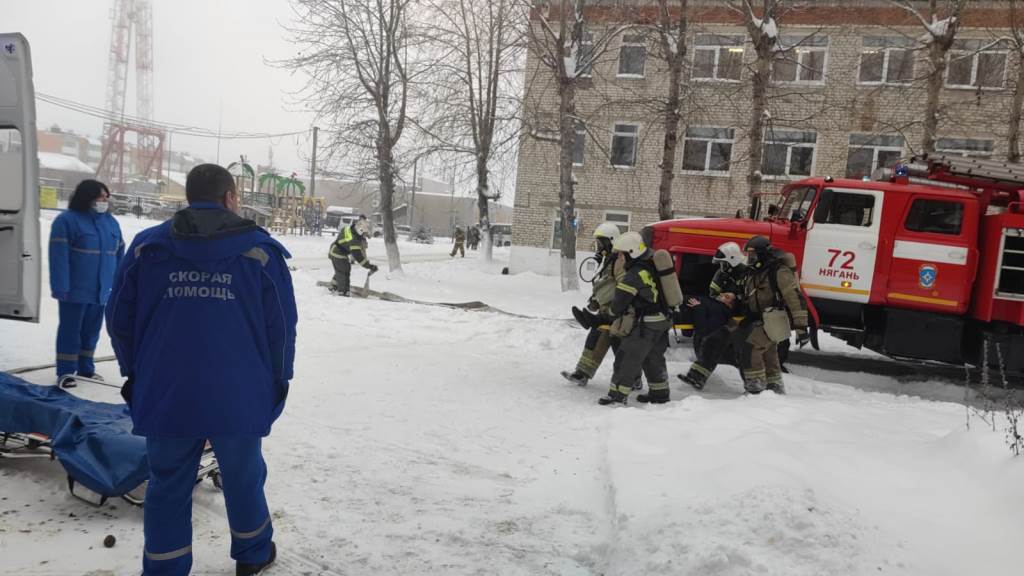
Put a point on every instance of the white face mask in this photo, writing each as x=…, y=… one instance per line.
x=101, y=207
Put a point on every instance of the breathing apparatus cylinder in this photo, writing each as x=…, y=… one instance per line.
x=668, y=279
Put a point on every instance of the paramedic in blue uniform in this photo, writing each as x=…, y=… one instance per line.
x=203, y=323
x=85, y=249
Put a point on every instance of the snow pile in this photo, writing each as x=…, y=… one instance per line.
x=63, y=162
x=429, y=440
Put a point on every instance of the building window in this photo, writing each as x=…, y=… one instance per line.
x=579, y=143
x=788, y=153
x=886, y=60
x=802, y=60
x=620, y=219
x=624, y=140
x=868, y=152
x=845, y=208
x=977, y=64
x=585, y=63
x=707, y=150
x=964, y=147
x=717, y=57
x=632, y=55
x=556, y=235
x=935, y=216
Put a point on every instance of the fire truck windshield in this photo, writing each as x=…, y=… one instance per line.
x=797, y=202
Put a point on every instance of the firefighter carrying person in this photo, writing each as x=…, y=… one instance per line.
x=350, y=246
x=773, y=304
x=598, y=340
x=640, y=347
x=710, y=335
x=459, y=241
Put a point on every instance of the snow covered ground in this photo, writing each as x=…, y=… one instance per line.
x=429, y=440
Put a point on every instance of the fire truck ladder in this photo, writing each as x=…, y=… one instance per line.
x=973, y=173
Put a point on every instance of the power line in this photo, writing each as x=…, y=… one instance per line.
x=184, y=129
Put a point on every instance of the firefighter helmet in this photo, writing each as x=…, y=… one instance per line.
x=730, y=255
x=760, y=246
x=362, y=227
x=607, y=230
x=632, y=244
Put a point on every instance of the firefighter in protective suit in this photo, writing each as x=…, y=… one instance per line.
x=598, y=341
x=350, y=246
x=771, y=285
x=642, y=346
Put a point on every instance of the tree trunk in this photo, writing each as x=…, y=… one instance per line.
x=675, y=57
x=385, y=162
x=759, y=84
x=1013, y=138
x=567, y=130
x=482, y=199
x=937, y=64
x=668, y=149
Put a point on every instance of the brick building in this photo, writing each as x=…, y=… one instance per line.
x=847, y=96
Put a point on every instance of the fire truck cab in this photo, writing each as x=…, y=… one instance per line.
x=926, y=264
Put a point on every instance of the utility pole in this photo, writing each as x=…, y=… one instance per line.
x=312, y=169
x=412, y=202
x=451, y=205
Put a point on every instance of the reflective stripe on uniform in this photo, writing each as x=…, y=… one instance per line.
x=700, y=369
x=626, y=288
x=169, y=555
x=86, y=353
x=85, y=250
x=655, y=318
x=59, y=240
x=624, y=390
x=645, y=277
x=67, y=357
x=253, y=534
x=657, y=386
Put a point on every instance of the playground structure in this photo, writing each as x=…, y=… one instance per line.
x=277, y=202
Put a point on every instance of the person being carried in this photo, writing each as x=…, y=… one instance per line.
x=459, y=241
x=350, y=246
x=710, y=337
x=202, y=318
x=598, y=341
x=640, y=347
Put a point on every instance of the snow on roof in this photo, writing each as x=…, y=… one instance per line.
x=177, y=177
x=63, y=162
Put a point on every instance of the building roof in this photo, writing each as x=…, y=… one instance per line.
x=64, y=163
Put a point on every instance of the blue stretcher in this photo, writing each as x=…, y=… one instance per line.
x=93, y=441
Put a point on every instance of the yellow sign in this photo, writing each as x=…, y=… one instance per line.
x=48, y=197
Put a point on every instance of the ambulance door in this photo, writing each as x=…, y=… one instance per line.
x=841, y=245
x=19, y=184
x=933, y=262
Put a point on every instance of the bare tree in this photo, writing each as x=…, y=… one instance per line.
x=355, y=55
x=476, y=102
x=672, y=37
x=764, y=34
x=1017, y=41
x=567, y=49
x=939, y=37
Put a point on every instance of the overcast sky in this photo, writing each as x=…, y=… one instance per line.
x=209, y=56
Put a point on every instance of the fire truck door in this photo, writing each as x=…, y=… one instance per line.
x=842, y=244
x=933, y=264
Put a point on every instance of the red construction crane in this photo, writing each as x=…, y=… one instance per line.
x=125, y=16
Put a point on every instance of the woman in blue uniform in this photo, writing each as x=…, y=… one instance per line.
x=85, y=249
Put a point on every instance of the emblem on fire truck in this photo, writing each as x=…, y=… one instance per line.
x=926, y=275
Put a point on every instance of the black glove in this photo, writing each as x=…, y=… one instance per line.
x=372, y=268
x=126, y=390
x=802, y=337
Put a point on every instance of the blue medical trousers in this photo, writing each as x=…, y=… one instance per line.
x=173, y=463
x=77, y=334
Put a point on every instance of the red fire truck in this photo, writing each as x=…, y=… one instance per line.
x=926, y=264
